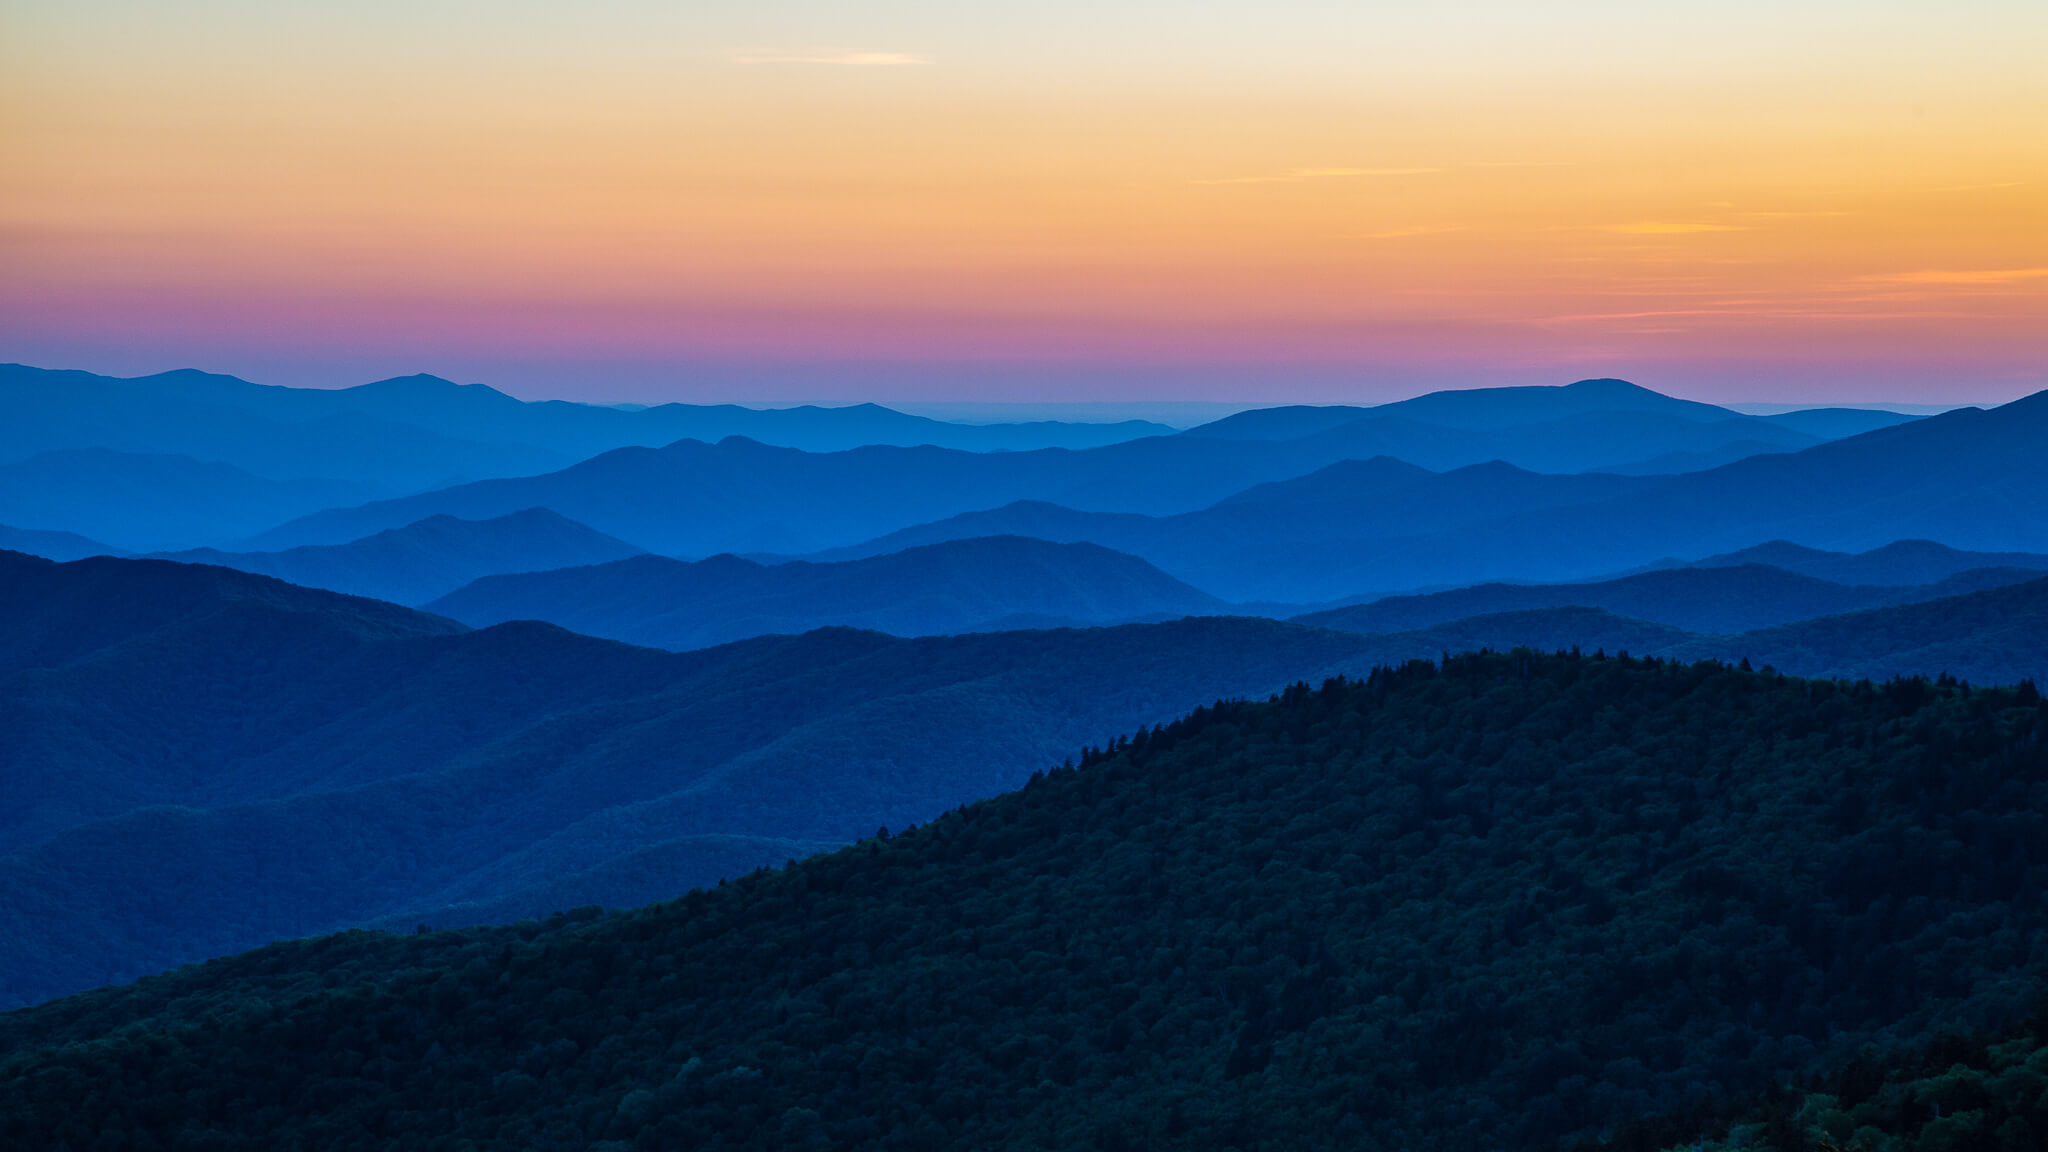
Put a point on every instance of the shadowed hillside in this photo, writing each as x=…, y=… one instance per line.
x=1505, y=901
x=200, y=760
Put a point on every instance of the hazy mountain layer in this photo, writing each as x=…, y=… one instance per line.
x=1901, y=562
x=140, y=503
x=52, y=545
x=1715, y=599
x=737, y=496
x=386, y=448
x=1491, y=409
x=431, y=558
x=417, y=432
x=961, y=586
x=1972, y=479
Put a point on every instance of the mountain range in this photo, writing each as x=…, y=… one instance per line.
x=1970, y=478
x=1714, y=599
x=52, y=545
x=978, y=585
x=430, y=558
x=142, y=503
x=179, y=729
x=176, y=730
x=417, y=432
x=1902, y=562
x=694, y=499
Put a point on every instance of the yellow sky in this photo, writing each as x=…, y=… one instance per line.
x=1848, y=200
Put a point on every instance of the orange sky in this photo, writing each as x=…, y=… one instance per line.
x=1297, y=200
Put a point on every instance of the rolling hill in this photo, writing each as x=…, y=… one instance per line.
x=1501, y=902
x=1714, y=599
x=1995, y=636
x=177, y=729
x=430, y=558
x=141, y=503
x=961, y=586
x=1902, y=562
x=52, y=545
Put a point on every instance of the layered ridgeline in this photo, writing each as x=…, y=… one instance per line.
x=992, y=583
x=1590, y=426
x=1712, y=599
x=976, y=585
x=416, y=563
x=1902, y=562
x=52, y=545
x=415, y=432
x=201, y=760
x=140, y=503
x=1974, y=479
x=697, y=499
x=1509, y=900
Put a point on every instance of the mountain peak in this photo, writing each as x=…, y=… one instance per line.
x=1610, y=386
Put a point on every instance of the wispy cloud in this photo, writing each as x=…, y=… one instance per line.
x=844, y=59
x=1984, y=187
x=1963, y=276
x=1299, y=175
x=1674, y=227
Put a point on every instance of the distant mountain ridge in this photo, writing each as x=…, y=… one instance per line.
x=429, y=558
x=1496, y=409
x=142, y=503
x=1971, y=479
x=52, y=545
x=401, y=450
x=1902, y=562
x=422, y=431
x=1711, y=599
x=973, y=585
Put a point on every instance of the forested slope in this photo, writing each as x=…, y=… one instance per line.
x=1490, y=904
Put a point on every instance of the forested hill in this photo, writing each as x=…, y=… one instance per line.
x=1490, y=904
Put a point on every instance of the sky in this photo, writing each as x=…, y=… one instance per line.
x=1055, y=201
